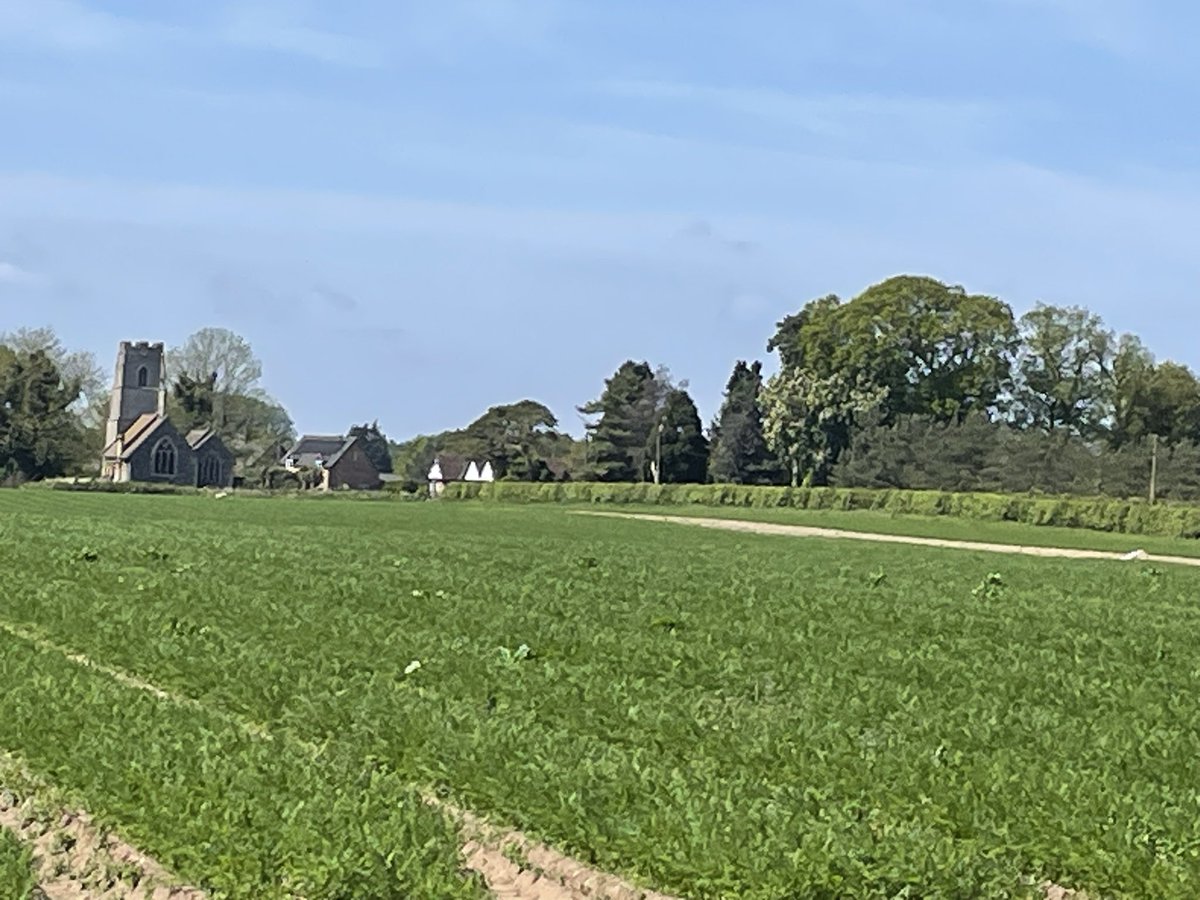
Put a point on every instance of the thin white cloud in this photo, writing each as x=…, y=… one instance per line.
x=276, y=29
x=63, y=24
x=839, y=117
x=1122, y=27
x=12, y=274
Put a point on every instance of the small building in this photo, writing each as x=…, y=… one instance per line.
x=340, y=462
x=141, y=443
x=451, y=467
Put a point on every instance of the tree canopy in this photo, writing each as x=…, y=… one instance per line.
x=739, y=452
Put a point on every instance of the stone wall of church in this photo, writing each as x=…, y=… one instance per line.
x=141, y=462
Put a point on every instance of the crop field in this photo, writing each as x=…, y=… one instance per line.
x=709, y=714
x=16, y=879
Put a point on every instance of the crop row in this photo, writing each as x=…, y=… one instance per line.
x=714, y=714
x=233, y=814
x=16, y=868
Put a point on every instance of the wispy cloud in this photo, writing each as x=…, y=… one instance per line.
x=875, y=122
x=12, y=274
x=278, y=28
x=64, y=24
x=1122, y=27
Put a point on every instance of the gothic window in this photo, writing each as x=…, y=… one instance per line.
x=143, y=376
x=210, y=471
x=164, y=457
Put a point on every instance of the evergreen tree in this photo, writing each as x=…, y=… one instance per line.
x=739, y=452
x=678, y=442
x=192, y=401
x=628, y=410
x=375, y=445
x=40, y=437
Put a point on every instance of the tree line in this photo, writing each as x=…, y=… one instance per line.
x=913, y=383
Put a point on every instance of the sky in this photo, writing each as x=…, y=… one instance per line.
x=416, y=210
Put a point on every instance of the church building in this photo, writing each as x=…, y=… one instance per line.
x=141, y=444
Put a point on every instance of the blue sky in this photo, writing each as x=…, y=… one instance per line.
x=415, y=210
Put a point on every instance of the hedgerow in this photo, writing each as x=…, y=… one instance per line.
x=1098, y=514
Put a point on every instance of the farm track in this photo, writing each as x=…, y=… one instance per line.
x=77, y=862
x=812, y=531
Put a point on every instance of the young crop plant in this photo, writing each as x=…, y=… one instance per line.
x=709, y=714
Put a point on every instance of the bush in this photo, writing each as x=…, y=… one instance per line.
x=1094, y=513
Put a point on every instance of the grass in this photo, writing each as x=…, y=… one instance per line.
x=16, y=868
x=712, y=714
x=947, y=527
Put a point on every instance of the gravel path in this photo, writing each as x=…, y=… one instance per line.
x=842, y=534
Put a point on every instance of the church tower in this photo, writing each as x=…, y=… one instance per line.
x=138, y=387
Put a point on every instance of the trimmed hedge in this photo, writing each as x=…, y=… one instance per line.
x=1094, y=513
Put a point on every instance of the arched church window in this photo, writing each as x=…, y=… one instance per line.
x=164, y=457
x=210, y=470
x=143, y=377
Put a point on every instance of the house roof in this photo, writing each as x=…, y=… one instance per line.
x=451, y=465
x=143, y=427
x=328, y=448
x=198, y=437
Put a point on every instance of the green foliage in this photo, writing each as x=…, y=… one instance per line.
x=39, y=434
x=678, y=441
x=627, y=411
x=1064, y=375
x=192, y=401
x=934, y=349
x=739, y=453
x=16, y=868
x=1094, y=513
x=718, y=715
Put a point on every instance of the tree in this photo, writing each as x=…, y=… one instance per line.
x=517, y=438
x=39, y=433
x=375, y=445
x=217, y=383
x=808, y=420
x=227, y=354
x=1133, y=375
x=193, y=401
x=738, y=451
x=75, y=367
x=677, y=441
x=627, y=409
x=1064, y=371
x=936, y=349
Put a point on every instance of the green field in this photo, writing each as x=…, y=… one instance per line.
x=711, y=714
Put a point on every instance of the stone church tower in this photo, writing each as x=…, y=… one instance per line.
x=139, y=387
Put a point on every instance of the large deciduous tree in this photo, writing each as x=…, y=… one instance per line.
x=1064, y=373
x=217, y=382
x=808, y=420
x=936, y=349
x=222, y=351
x=738, y=452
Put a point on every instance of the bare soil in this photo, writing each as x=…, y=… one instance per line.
x=74, y=859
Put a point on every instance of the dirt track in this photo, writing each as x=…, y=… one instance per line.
x=842, y=534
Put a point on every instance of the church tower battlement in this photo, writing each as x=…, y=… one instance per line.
x=139, y=387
